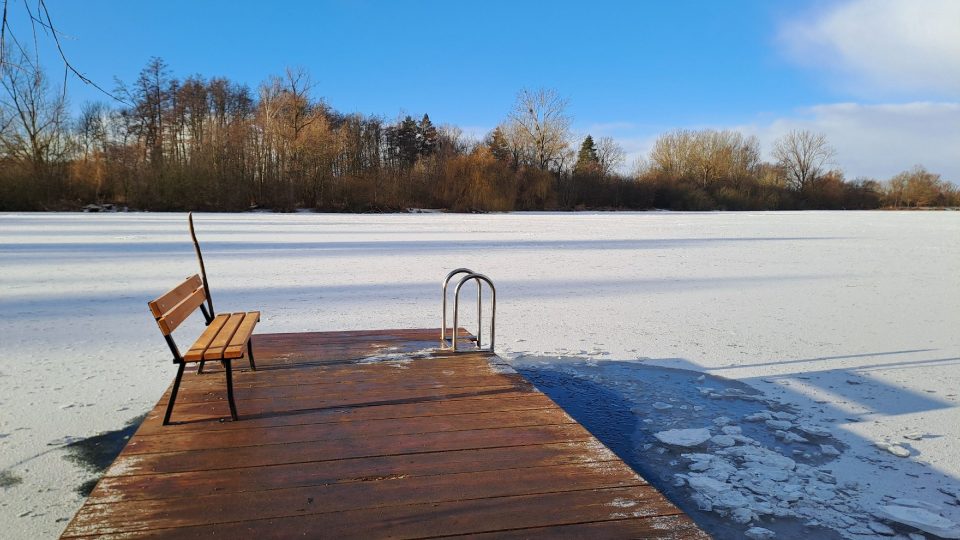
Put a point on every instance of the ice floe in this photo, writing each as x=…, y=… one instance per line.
x=683, y=437
x=921, y=516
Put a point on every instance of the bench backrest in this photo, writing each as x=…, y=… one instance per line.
x=176, y=305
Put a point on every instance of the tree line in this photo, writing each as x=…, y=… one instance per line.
x=212, y=144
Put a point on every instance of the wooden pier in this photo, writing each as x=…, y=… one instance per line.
x=370, y=435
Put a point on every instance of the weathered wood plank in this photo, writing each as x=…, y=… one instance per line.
x=369, y=446
x=189, y=510
x=255, y=408
x=307, y=519
x=429, y=408
x=344, y=430
x=241, y=478
x=653, y=528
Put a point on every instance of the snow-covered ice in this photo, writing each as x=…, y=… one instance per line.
x=844, y=322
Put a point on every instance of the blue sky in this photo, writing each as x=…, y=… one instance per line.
x=631, y=70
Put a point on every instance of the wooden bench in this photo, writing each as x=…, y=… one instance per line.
x=226, y=338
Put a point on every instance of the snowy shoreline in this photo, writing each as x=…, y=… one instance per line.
x=849, y=318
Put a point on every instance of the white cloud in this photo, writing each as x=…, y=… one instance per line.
x=882, y=47
x=879, y=140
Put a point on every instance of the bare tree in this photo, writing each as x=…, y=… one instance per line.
x=803, y=155
x=917, y=187
x=610, y=155
x=40, y=22
x=515, y=136
x=541, y=121
x=707, y=156
x=91, y=128
x=453, y=141
x=639, y=168
x=671, y=154
x=32, y=114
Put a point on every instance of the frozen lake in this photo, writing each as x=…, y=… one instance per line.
x=849, y=320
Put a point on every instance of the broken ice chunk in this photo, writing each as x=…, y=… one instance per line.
x=880, y=528
x=920, y=518
x=731, y=430
x=683, y=437
x=723, y=440
x=813, y=430
x=914, y=503
x=699, y=466
x=779, y=424
x=742, y=516
x=759, y=533
x=829, y=450
x=789, y=436
x=894, y=449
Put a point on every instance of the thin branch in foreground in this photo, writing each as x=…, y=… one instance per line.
x=68, y=67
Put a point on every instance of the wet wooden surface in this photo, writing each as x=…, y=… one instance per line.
x=370, y=435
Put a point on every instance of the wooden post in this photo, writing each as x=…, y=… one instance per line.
x=203, y=270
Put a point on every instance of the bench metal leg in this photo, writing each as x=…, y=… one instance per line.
x=253, y=365
x=173, y=394
x=233, y=406
x=200, y=368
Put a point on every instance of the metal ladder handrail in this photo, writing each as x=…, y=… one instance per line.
x=443, y=325
x=493, y=313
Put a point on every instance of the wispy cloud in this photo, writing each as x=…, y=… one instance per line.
x=882, y=47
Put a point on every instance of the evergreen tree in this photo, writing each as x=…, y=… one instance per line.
x=427, y=137
x=587, y=160
x=497, y=143
x=402, y=142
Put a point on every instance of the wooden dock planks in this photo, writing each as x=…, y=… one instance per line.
x=367, y=435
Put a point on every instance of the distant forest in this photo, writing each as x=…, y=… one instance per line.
x=211, y=144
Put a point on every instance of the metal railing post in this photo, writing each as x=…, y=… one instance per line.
x=446, y=281
x=493, y=313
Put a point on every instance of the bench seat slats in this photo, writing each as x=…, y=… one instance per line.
x=195, y=354
x=215, y=350
x=225, y=338
x=237, y=345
